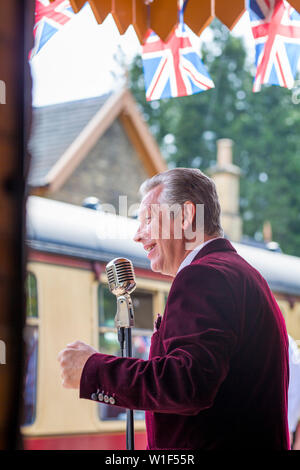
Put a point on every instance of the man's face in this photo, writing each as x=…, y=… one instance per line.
x=156, y=233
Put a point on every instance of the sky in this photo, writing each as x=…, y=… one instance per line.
x=78, y=61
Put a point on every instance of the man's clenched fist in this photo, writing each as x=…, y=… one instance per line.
x=72, y=360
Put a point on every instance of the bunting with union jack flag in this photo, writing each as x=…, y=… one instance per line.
x=276, y=31
x=173, y=68
x=49, y=18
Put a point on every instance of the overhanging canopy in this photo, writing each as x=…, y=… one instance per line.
x=161, y=15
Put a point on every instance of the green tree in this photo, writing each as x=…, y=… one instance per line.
x=264, y=126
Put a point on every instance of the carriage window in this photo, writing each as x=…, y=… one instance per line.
x=31, y=292
x=31, y=344
x=108, y=341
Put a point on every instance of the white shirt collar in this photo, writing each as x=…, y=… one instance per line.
x=189, y=258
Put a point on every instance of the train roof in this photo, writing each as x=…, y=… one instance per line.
x=58, y=227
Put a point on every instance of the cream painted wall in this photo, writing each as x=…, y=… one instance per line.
x=65, y=314
x=67, y=306
x=292, y=318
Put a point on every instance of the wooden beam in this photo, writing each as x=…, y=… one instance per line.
x=295, y=4
x=163, y=17
x=76, y=5
x=198, y=17
x=16, y=39
x=229, y=12
x=122, y=14
x=140, y=136
x=88, y=137
x=100, y=8
x=140, y=19
x=120, y=104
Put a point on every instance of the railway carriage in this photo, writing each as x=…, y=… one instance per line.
x=68, y=299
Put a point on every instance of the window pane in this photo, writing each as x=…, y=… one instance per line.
x=107, y=306
x=29, y=394
x=31, y=294
x=141, y=346
x=143, y=309
x=109, y=344
x=142, y=305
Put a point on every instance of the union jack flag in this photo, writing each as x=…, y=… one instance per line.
x=276, y=31
x=173, y=68
x=49, y=18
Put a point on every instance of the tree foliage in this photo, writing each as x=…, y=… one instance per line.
x=264, y=127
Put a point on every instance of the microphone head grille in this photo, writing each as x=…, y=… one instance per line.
x=120, y=276
x=110, y=275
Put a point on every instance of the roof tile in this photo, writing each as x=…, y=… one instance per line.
x=54, y=128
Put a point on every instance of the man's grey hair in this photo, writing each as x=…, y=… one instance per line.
x=188, y=184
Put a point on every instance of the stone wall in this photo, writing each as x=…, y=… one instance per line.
x=112, y=168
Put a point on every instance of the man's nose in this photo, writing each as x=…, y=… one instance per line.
x=138, y=235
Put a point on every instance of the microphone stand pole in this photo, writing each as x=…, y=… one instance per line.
x=124, y=321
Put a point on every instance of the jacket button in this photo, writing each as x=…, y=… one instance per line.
x=112, y=401
x=94, y=396
x=106, y=398
x=100, y=396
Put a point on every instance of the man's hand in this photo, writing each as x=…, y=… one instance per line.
x=72, y=360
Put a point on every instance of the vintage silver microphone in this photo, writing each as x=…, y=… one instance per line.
x=121, y=282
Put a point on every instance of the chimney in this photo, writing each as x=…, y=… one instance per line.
x=268, y=239
x=226, y=176
x=267, y=231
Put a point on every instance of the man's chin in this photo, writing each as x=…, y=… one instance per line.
x=155, y=267
x=158, y=268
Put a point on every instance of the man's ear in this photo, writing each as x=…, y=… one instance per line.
x=188, y=215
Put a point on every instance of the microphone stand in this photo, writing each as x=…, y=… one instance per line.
x=124, y=321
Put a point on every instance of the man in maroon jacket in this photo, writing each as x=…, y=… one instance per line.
x=217, y=373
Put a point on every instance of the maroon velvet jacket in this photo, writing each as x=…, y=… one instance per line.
x=217, y=374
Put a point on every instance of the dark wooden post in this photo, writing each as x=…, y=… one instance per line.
x=16, y=23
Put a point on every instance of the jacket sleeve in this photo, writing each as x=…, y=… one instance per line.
x=199, y=337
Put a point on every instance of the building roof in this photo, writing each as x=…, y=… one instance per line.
x=63, y=135
x=54, y=128
x=58, y=227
